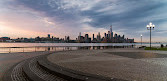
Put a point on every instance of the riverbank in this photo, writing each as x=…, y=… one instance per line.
x=122, y=63
x=153, y=48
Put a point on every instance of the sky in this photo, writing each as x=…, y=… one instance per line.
x=60, y=18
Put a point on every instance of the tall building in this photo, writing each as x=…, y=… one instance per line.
x=65, y=37
x=80, y=34
x=93, y=36
x=79, y=37
x=99, y=37
x=86, y=36
x=87, y=39
x=109, y=33
x=123, y=36
x=105, y=35
x=111, y=28
x=115, y=38
x=48, y=35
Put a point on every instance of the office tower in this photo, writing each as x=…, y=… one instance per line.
x=115, y=38
x=86, y=36
x=65, y=37
x=99, y=33
x=68, y=38
x=109, y=34
x=87, y=39
x=52, y=38
x=80, y=34
x=99, y=37
x=111, y=28
x=115, y=35
x=48, y=35
x=79, y=37
x=119, y=36
x=105, y=36
x=93, y=36
x=123, y=36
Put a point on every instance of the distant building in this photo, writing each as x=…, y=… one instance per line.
x=93, y=37
x=99, y=37
x=4, y=39
x=48, y=35
x=87, y=39
x=111, y=28
x=67, y=39
x=109, y=37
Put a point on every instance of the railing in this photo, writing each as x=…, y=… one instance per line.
x=38, y=49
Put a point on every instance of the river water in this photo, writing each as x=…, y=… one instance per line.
x=30, y=47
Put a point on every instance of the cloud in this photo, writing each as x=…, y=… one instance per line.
x=128, y=17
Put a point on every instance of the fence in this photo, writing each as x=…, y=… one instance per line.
x=38, y=49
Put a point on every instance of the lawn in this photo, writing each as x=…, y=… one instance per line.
x=153, y=48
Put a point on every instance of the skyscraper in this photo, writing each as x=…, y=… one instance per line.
x=79, y=33
x=105, y=35
x=93, y=36
x=48, y=35
x=99, y=37
x=79, y=37
x=86, y=36
x=111, y=35
x=111, y=28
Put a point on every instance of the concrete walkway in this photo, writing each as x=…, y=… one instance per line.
x=7, y=60
x=128, y=64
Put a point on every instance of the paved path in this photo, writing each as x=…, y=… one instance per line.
x=10, y=59
x=128, y=64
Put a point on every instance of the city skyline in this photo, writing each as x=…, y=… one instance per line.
x=31, y=18
x=109, y=37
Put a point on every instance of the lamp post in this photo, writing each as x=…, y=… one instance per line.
x=150, y=27
x=141, y=39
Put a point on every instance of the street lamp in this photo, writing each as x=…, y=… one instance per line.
x=141, y=39
x=150, y=27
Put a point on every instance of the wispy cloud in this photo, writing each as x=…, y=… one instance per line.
x=72, y=16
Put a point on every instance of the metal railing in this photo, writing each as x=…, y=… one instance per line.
x=41, y=49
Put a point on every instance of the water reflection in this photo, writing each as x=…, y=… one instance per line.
x=51, y=48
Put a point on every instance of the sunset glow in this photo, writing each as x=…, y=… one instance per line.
x=22, y=18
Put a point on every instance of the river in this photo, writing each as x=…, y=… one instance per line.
x=31, y=47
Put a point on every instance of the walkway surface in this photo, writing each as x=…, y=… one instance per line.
x=7, y=60
x=128, y=64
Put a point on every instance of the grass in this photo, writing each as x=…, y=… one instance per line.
x=153, y=48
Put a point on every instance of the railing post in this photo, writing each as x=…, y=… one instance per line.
x=9, y=50
x=35, y=49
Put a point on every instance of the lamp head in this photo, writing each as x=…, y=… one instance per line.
x=150, y=23
x=153, y=25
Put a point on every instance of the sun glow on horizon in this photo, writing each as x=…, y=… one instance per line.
x=13, y=32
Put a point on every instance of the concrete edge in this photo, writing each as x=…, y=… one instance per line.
x=72, y=74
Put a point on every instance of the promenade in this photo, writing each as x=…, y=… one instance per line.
x=116, y=64
x=7, y=60
x=128, y=63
